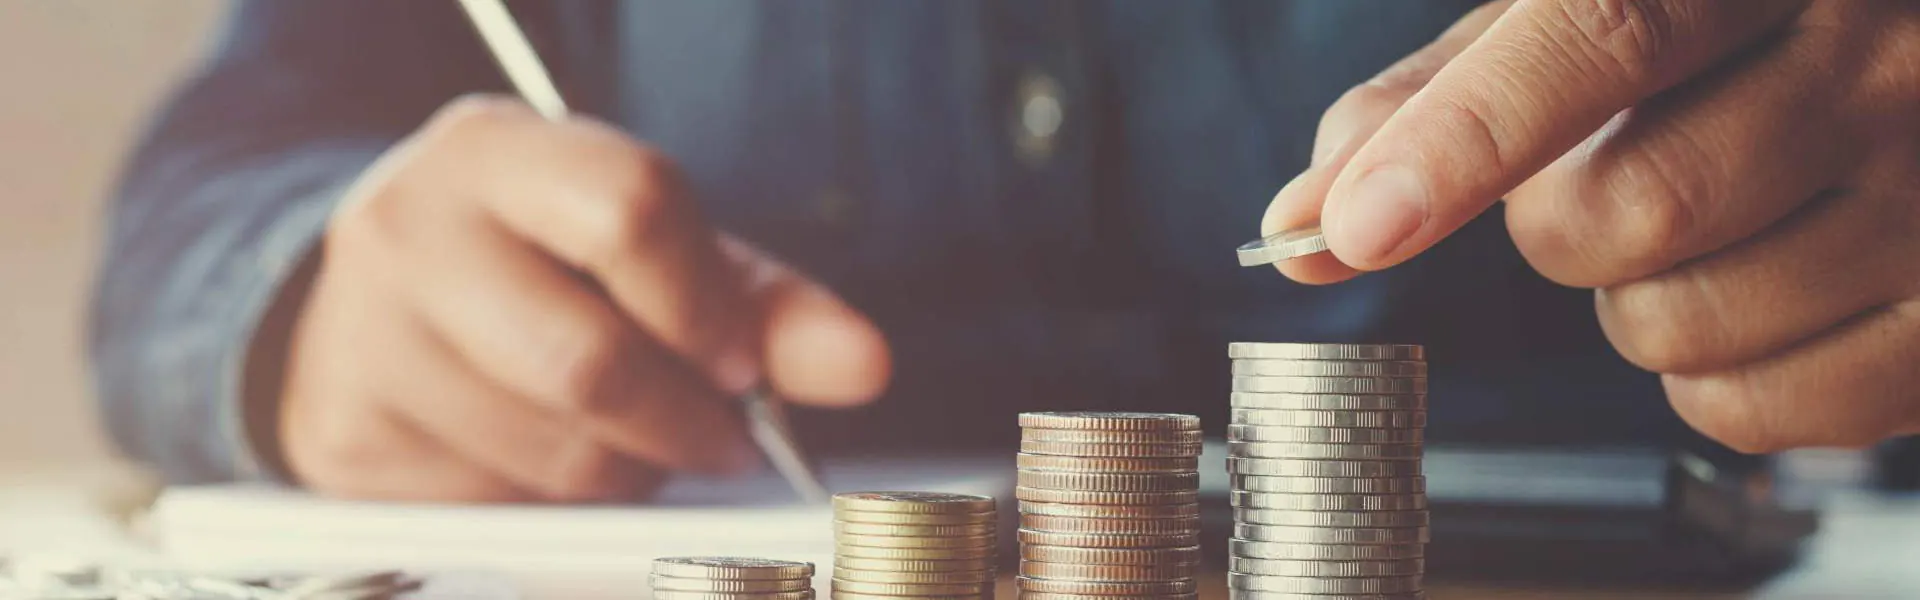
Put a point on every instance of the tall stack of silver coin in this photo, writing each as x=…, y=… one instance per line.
x=730, y=578
x=891, y=545
x=1324, y=454
x=1109, y=505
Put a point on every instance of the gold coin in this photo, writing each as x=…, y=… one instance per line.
x=1108, y=482
x=912, y=589
x=1189, y=555
x=1099, y=436
x=912, y=502
x=1099, y=464
x=943, y=577
x=896, y=541
x=1110, y=421
x=679, y=595
x=689, y=584
x=840, y=595
x=891, y=529
x=1110, y=511
x=1095, y=449
x=1110, y=526
x=1106, y=588
x=905, y=518
x=728, y=567
x=1031, y=494
x=1048, y=596
x=1089, y=540
x=842, y=550
x=913, y=566
x=1080, y=572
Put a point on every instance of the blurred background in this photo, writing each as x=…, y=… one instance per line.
x=64, y=126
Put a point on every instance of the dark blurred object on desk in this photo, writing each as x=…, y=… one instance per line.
x=1897, y=464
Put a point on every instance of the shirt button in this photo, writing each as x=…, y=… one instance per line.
x=1038, y=115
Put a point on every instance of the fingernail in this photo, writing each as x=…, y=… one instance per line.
x=737, y=371
x=1387, y=205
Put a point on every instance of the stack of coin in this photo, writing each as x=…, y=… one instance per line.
x=1324, y=454
x=1109, y=505
x=912, y=544
x=730, y=578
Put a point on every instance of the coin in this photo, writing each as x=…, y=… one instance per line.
x=1260, y=595
x=1328, y=568
x=1111, y=511
x=1110, y=421
x=842, y=550
x=912, y=589
x=1098, y=436
x=1314, y=351
x=1323, y=435
x=1328, y=485
x=1330, y=385
x=1301, y=467
x=1317, y=551
x=913, y=566
x=1031, y=494
x=729, y=567
x=1189, y=555
x=912, y=502
x=1303, y=518
x=1329, y=368
x=694, y=584
x=924, y=577
x=680, y=595
x=1330, y=535
x=1080, y=572
x=894, y=529
x=1324, y=585
x=1048, y=596
x=1108, y=482
x=1347, y=502
x=1109, y=450
x=1094, y=464
x=901, y=518
x=840, y=595
x=1283, y=245
x=1088, y=540
x=1331, y=418
x=1110, y=526
x=1106, y=588
x=1284, y=401
x=895, y=541
x=1327, y=451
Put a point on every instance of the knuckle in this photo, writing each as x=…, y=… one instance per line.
x=475, y=112
x=586, y=367
x=1643, y=322
x=1628, y=38
x=637, y=200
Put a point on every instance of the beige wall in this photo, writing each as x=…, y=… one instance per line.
x=76, y=77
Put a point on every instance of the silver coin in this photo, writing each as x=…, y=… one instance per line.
x=1284, y=245
x=1111, y=511
x=1282, y=401
x=908, y=518
x=1102, y=526
x=914, y=530
x=1189, y=555
x=1265, y=367
x=843, y=550
x=1327, y=451
x=1310, y=351
x=1103, y=436
x=1305, y=518
x=1082, y=572
x=1303, y=467
x=914, y=566
x=920, y=577
x=912, y=589
x=1110, y=421
x=1110, y=450
x=904, y=541
x=1327, y=568
x=1050, y=596
x=730, y=567
x=912, y=502
x=1331, y=535
x=1108, y=482
x=1089, y=540
x=1324, y=585
x=1324, y=435
x=1312, y=551
x=1031, y=494
x=1343, y=502
x=1330, y=385
x=1404, y=419
x=1106, y=588
x=693, y=584
x=845, y=595
x=1260, y=595
x=1107, y=464
x=1328, y=485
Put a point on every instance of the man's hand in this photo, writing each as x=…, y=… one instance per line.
x=1738, y=181
x=509, y=309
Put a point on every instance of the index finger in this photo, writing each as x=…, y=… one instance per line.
x=1545, y=76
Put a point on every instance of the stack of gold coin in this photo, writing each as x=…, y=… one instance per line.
x=730, y=578
x=1109, y=505
x=1324, y=454
x=920, y=545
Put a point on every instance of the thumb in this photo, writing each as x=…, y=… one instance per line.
x=817, y=350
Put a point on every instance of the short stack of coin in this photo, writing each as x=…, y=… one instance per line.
x=912, y=545
x=1109, y=505
x=1324, y=453
x=730, y=578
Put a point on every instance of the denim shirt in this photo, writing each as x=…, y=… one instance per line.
x=1037, y=200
